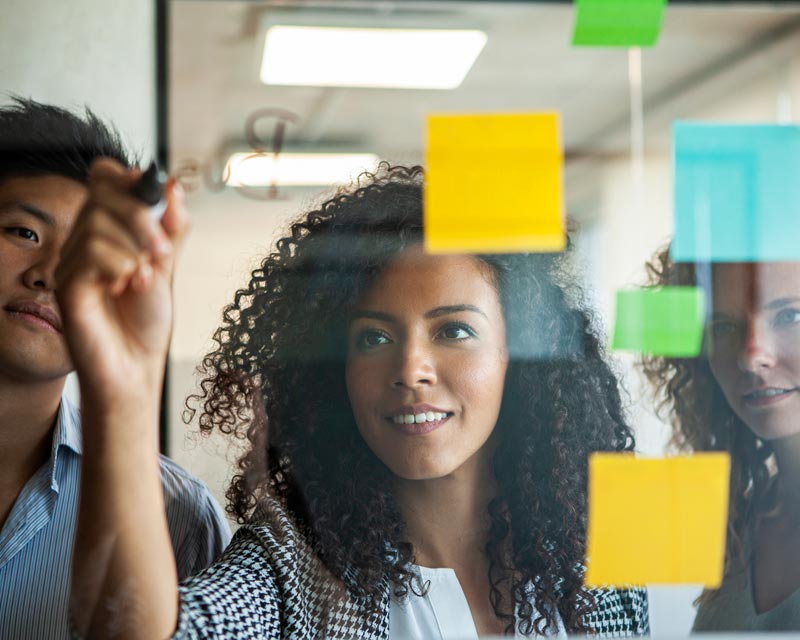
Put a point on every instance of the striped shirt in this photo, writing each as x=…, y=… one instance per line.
x=37, y=538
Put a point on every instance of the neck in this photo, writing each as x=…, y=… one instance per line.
x=787, y=457
x=27, y=416
x=446, y=518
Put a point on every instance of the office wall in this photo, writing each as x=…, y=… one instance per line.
x=101, y=53
x=96, y=53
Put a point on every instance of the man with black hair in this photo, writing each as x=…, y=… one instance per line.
x=45, y=155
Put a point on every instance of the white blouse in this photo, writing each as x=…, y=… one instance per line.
x=441, y=614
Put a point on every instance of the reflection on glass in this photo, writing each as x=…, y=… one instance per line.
x=423, y=420
x=418, y=432
x=742, y=395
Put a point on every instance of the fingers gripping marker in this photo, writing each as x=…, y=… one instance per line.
x=150, y=190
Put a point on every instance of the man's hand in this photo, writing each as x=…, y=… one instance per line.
x=114, y=288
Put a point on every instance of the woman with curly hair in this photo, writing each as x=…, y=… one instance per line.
x=742, y=395
x=418, y=432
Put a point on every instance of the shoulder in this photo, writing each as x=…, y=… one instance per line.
x=271, y=578
x=197, y=525
x=184, y=491
x=619, y=612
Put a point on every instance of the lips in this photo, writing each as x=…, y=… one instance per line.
x=415, y=410
x=37, y=310
x=764, y=396
x=417, y=419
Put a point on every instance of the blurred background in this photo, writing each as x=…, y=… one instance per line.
x=183, y=82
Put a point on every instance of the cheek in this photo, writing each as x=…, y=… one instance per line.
x=480, y=380
x=787, y=350
x=726, y=372
x=361, y=380
x=721, y=369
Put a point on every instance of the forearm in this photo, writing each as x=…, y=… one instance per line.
x=124, y=581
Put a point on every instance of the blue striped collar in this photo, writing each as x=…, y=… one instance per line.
x=66, y=434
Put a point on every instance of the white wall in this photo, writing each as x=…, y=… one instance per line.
x=99, y=53
x=230, y=234
x=76, y=53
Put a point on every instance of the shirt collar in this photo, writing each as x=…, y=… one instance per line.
x=66, y=434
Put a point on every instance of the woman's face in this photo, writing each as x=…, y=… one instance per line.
x=755, y=348
x=427, y=363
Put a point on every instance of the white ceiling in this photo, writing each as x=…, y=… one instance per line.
x=528, y=64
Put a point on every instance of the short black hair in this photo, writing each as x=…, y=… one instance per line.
x=39, y=139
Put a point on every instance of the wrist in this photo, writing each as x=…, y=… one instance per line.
x=115, y=428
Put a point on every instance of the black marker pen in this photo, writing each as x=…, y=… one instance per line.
x=150, y=190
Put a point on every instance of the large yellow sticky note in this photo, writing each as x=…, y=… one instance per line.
x=493, y=184
x=657, y=521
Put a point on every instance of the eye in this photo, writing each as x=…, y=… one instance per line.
x=723, y=328
x=787, y=317
x=24, y=233
x=371, y=338
x=457, y=331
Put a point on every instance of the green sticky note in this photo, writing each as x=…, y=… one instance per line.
x=617, y=23
x=660, y=321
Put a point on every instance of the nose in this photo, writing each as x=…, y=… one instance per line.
x=41, y=274
x=756, y=352
x=416, y=367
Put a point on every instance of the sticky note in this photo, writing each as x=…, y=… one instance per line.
x=661, y=321
x=657, y=521
x=737, y=193
x=617, y=23
x=493, y=184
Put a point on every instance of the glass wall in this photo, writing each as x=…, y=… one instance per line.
x=691, y=138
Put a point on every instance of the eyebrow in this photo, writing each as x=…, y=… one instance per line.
x=772, y=306
x=780, y=302
x=31, y=210
x=433, y=313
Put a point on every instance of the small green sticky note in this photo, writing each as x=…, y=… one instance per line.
x=617, y=23
x=660, y=321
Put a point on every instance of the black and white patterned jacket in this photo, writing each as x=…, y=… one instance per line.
x=270, y=584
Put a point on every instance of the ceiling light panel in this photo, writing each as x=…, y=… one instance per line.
x=369, y=57
x=297, y=169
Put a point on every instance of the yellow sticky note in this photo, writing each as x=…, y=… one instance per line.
x=657, y=521
x=493, y=184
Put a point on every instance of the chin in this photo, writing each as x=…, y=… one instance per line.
x=771, y=431
x=420, y=469
x=33, y=369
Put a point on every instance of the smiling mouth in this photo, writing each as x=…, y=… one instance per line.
x=765, y=397
x=420, y=418
x=420, y=423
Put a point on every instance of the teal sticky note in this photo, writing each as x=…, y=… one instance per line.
x=617, y=23
x=661, y=321
x=737, y=193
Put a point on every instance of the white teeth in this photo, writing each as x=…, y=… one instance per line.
x=410, y=418
x=768, y=393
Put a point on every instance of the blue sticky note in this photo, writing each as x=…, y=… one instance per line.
x=737, y=193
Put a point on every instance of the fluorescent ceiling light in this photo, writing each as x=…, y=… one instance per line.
x=358, y=57
x=297, y=169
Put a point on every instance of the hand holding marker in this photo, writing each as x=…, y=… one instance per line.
x=150, y=190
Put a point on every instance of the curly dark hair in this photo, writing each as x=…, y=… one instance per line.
x=277, y=378
x=688, y=395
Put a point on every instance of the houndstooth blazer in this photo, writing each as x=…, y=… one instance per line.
x=270, y=584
